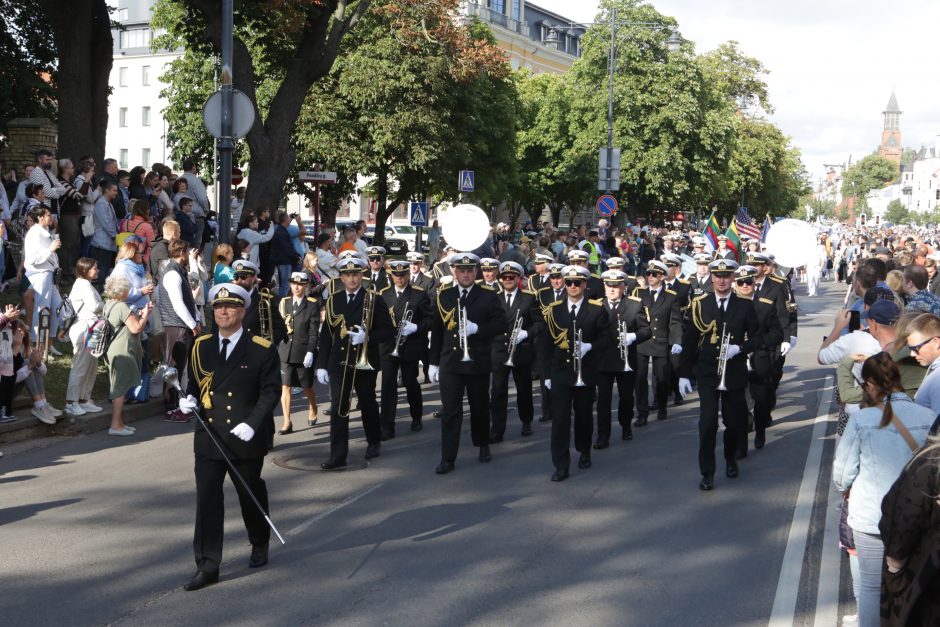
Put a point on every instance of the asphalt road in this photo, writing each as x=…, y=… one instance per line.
x=98, y=530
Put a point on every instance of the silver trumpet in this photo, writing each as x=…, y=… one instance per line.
x=723, y=358
x=624, y=349
x=579, y=382
x=462, y=331
x=400, y=338
x=517, y=326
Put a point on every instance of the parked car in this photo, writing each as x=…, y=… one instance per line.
x=393, y=245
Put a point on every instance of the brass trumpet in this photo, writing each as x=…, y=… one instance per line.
x=624, y=349
x=462, y=332
x=265, y=314
x=400, y=338
x=517, y=326
x=723, y=358
x=579, y=382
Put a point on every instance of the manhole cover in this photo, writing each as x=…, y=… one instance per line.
x=312, y=463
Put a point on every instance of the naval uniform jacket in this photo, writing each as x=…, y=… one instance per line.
x=416, y=300
x=421, y=280
x=483, y=308
x=702, y=340
x=629, y=310
x=246, y=387
x=664, y=318
x=769, y=327
x=381, y=282
x=593, y=323
x=302, y=324
x=525, y=305
x=334, y=344
x=778, y=290
x=683, y=289
x=536, y=282
x=700, y=286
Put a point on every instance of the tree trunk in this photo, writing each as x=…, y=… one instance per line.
x=82, y=33
x=381, y=207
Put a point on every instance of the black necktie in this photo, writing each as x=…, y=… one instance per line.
x=508, y=301
x=613, y=304
x=574, y=312
x=463, y=297
x=721, y=304
x=557, y=294
x=224, y=353
x=400, y=293
x=349, y=298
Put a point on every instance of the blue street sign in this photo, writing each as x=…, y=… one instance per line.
x=606, y=205
x=465, y=181
x=419, y=213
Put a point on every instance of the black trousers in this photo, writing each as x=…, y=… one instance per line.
x=499, y=395
x=339, y=416
x=453, y=387
x=546, y=395
x=734, y=414
x=565, y=398
x=626, y=382
x=778, y=375
x=409, y=377
x=662, y=382
x=210, y=507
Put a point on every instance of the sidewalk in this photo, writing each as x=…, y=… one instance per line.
x=29, y=427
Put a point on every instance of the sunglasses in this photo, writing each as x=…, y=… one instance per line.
x=915, y=349
x=745, y=281
x=574, y=282
x=651, y=273
x=243, y=275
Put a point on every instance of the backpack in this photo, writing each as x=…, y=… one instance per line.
x=121, y=237
x=66, y=314
x=99, y=335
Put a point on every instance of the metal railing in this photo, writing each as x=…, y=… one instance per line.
x=492, y=17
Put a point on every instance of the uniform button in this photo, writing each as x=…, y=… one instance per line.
x=228, y=422
x=210, y=419
x=230, y=394
x=211, y=393
x=228, y=407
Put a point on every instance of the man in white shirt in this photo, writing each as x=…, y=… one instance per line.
x=197, y=190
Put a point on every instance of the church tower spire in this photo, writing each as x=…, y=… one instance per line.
x=891, y=135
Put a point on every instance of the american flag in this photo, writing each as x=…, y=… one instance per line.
x=746, y=226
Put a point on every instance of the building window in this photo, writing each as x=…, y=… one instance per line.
x=938, y=195
x=517, y=9
x=145, y=75
x=145, y=157
x=122, y=76
x=122, y=117
x=136, y=37
x=145, y=116
x=498, y=6
x=120, y=15
x=122, y=158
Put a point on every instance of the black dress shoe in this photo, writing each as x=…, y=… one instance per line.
x=678, y=401
x=387, y=435
x=654, y=406
x=560, y=474
x=527, y=428
x=372, y=451
x=585, y=461
x=416, y=425
x=444, y=467
x=627, y=434
x=600, y=444
x=200, y=580
x=485, y=454
x=545, y=419
x=289, y=429
x=327, y=412
x=437, y=414
x=707, y=483
x=333, y=464
x=495, y=439
x=759, y=438
x=640, y=422
x=661, y=414
x=259, y=556
x=731, y=471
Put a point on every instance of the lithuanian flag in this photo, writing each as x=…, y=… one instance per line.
x=734, y=239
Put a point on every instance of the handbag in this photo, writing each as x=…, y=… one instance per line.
x=6, y=353
x=88, y=226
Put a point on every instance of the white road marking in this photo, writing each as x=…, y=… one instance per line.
x=788, y=584
x=352, y=499
x=827, y=597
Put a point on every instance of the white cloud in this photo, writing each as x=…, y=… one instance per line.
x=832, y=64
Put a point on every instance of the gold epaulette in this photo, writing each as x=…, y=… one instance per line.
x=596, y=301
x=669, y=291
x=552, y=304
x=417, y=287
x=382, y=291
x=636, y=298
x=683, y=281
x=261, y=341
x=487, y=287
x=774, y=277
x=312, y=299
x=203, y=337
x=529, y=292
x=766, y=300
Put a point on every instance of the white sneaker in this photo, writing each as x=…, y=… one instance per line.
x=42, y=416
x=122, y=432
x=89, y=407
x=55, y=413
x=74, y=409
x=54, y=351
x=1, y=453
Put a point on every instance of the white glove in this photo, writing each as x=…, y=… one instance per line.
x=676, y=349
x=409, y=328
x=472, y=328
x=243, y=432
x=434, y=373
x=629, y=340
x=521, y=336
x=585, y=349
x=785, y=348
x=685, y=386
x=358, y=336
x=189, y=404
x=548, y=384
x=733, y=351
x=308, y=360
x=322, y=376
x=792, y=341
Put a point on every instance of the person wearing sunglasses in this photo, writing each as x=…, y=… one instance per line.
x=665, y=320
x=761, y=363
x=594, y=287
x=566, y=319
x=377, y=275
x=713, y=317
x=923, y=340
x=546, y=296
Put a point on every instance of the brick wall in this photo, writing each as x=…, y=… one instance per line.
x=24, y=137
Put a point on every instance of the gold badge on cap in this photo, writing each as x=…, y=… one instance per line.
x=222, y=293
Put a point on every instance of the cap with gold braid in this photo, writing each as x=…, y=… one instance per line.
x=228, y=294
x=464, y=260
x=353, y=264
x=722, y=267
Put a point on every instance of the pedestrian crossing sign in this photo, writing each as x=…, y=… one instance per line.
x=419, y=213
x=465, y=183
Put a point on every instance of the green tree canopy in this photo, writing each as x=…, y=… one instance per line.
x=897, y=213
x=872, y=172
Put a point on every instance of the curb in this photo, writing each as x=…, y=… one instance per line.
x=30, y=427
